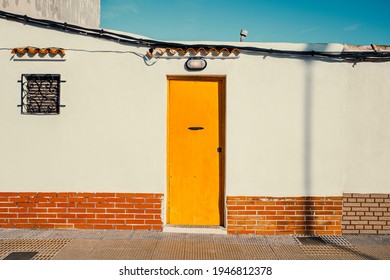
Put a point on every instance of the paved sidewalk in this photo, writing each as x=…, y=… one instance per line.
x=147, y=245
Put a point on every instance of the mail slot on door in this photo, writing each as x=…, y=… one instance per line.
x=195, y=128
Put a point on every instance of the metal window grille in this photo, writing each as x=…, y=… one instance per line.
x=40, y=94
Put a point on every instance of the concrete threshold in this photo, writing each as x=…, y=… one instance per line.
x=195, y=229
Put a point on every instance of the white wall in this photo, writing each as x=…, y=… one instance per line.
x=285, y=136
x=109, y=137
x=294, y=126
x=367, y=110
x=84, y=12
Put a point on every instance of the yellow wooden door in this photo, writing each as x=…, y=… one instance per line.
x=194, y=152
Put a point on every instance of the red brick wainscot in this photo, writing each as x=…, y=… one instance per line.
x=366, y=213
x=81, y=210
x=284, y=215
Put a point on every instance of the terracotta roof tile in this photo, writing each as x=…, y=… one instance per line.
x=192, y=51
x=43, y=51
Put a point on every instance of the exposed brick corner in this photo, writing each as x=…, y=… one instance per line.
x=366, y=213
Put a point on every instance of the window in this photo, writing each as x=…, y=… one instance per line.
x=40, y=94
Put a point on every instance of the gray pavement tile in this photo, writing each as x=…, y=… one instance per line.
x=118, y=234
x=145, y=245
x=16, y=233
x=229, y=251
x=254, y=251
x=137, y=254
x=103, y=254
x=198, y=250
x=46, y=248
x=333, y=252
x=169, y=250
x=375, y=252
x=174, y=236
x=289, y=252
x=324, y=239
x=77, y=249
x=139, y=249
x=368, y=239
x=108, y=244
x=252, y=239
x=280, y=240
x=146, y=235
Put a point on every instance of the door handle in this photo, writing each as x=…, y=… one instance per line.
x=219, y=149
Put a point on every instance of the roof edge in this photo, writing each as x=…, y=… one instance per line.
x=324, y=51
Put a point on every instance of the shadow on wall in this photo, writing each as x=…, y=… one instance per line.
x=308, y=114
x=308, y=107
x=307, y=125
x=307, y=138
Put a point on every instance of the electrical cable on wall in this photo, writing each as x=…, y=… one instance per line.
x=347, y=56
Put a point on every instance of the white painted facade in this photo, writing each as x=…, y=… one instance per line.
x=294, y=126
x=84, y=12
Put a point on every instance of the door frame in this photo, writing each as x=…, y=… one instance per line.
x=222, y=138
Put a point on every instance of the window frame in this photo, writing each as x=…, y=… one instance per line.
x=40, y=94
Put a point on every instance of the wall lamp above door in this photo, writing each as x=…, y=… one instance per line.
x=196, y=64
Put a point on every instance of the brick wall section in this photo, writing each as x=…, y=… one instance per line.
x=284, y=215
x=366, y=213
x=122, y=211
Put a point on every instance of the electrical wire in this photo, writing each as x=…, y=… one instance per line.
x=348, y=56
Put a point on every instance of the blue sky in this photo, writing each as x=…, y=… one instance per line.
x=307, y=21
